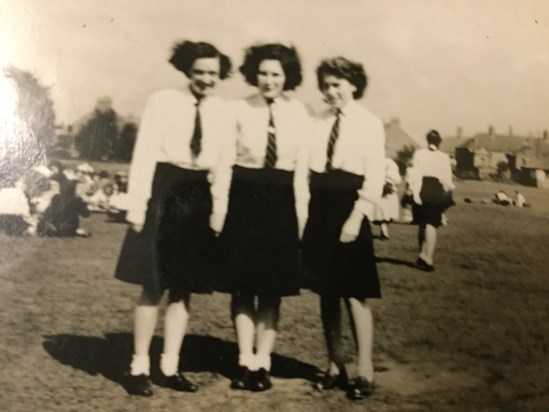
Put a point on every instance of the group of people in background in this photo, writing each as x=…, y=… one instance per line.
x=50, y=200
x=258, y=199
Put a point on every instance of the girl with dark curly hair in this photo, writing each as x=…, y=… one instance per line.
x=178, y=188
x=347, y=177
x=267, y=207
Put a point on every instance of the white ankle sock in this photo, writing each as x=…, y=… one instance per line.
x=263, y=361
x=140, y=365
x=247, y=360
x=169, y=364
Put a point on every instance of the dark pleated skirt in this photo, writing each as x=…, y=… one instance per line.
x=176, y=248
x=332, y=267
x=435, y=200
x=260, y=246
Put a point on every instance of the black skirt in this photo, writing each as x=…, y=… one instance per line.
x=434, y=201
x=331, y=267
x=260, y=246
x=176, y=248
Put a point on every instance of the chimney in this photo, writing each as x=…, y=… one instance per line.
x=459, y=132
x=104, y=104
x=545, y=134
x=510, y=131
x=491, y=131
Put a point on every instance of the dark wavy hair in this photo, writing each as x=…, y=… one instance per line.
x=433, y=137
x=287, y=56
x=185, y=53
x=346, y=69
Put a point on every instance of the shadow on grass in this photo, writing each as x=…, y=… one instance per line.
x=394, y=261
x=110, y=356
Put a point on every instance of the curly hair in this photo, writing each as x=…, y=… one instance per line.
x=346, y=69
x=433, y=137
x=185, y=53
x=287, y=56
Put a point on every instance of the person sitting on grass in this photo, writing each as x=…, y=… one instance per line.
x=62, y=218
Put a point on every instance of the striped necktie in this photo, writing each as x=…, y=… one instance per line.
x=334, y=134
x=271, y=155
x=196, y=140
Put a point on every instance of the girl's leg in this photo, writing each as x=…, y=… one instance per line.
x=175, y=326
x=268, y=314
x=363, y=325
x=243, y=314
x=330, y=310
x=384, y=228
x=429, y=244
x=146, y=315
x=421, y=236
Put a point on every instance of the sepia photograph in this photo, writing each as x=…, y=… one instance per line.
x=277, y=205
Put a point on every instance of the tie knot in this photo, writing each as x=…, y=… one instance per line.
x=269, y=101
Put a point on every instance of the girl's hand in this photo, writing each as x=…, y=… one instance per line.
x=351, y=227
x=137, y=227
x=217, y=221
x=301, y=223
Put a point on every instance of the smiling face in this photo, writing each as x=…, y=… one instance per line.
x=270, y=79
x=337, y=91
x=204, y=75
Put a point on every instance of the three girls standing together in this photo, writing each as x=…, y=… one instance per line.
x=225, y=196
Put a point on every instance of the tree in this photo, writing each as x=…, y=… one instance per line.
x=96, y=139
x=126, y=142
x=27, y=124
x=404, y=156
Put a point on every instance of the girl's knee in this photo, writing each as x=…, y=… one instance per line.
x=149, y=298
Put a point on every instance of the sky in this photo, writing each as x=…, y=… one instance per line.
x=434, y=64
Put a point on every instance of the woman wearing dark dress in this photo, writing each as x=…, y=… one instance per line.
x=185, y=141
x=267, y=207
x=347, y=177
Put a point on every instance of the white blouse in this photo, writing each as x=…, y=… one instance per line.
x=359, y=149
x=165, y=134
x=292, y=129
x=429, y=163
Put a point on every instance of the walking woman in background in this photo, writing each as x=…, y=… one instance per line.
x=388, y=209
x=185, y=141
x=430, y=179
x=347, y=177
x=267, y=207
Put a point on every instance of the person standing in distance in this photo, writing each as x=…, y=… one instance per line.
x=430, y=178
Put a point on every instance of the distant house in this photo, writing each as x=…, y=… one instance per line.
x=532, y=162
x=479, y=156
x=396, y=138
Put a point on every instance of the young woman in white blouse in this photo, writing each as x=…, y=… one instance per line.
x=267, y=207
x=347, y=177
x=185, y=142
x=430, y=179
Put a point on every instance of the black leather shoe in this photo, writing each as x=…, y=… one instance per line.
x=180, y=383
x=361, y=389
x=330, y=381
x=139, y=385
x=261, y=380
x=422, y=265
x=242, y=379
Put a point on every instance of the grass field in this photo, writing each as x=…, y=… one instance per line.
x=471, y=336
